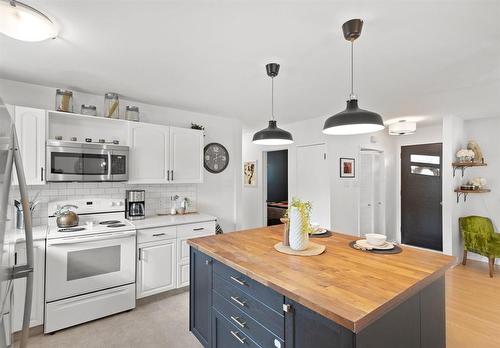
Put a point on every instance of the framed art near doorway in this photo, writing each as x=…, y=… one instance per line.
x=347, y=168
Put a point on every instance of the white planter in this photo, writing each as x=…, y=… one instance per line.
x=299, y=239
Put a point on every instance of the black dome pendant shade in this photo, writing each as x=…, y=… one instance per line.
x=353, y=120
x=272, y=135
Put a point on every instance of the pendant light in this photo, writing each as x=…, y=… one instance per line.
x=353, y=120
x=272, y=135
x=23, y=22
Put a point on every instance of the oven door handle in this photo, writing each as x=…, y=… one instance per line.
x=75, y=240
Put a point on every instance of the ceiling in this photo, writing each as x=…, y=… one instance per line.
x=419, y=58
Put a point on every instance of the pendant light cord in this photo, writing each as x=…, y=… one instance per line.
x=272, y=98
x=352, y=96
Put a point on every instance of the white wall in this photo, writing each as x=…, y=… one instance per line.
x=485, y=133
x=219, y=193
x=344, y=193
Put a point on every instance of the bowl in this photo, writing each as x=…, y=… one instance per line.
x=315, y=226
x=375, y=239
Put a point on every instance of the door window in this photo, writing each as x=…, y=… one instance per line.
x=92, y=262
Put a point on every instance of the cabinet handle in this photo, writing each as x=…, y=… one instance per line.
x=238, y=301
x=168, y=175
x=140, y=253
x=15, y=258
x=240, y=323
x=158, y=234
x=240, y=339
x=172, y=174
x=198, y=229
x=41, y=174
x=239, y=281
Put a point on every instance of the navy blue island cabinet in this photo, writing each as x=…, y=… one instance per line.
x=229, y=310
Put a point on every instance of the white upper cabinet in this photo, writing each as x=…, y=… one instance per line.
x=162, y=154
x=149, y=153
x=186, y=155
x=30, y=128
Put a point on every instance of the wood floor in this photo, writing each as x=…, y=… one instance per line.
x=472, y=306
x=473, y=318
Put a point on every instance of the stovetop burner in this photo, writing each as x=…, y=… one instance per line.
x=116, y=225
x=71, y=229
x=110, y=222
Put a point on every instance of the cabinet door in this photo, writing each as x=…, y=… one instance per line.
x=30, y=128
x=156, y=268
x=186, y=155
x=200, y=296
x=38, y=287
x=149, y=155
x=305, y=328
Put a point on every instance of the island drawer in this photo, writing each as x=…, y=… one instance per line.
x=245, y=323
x=226, y=335
x=252, y=307
x=262, y=293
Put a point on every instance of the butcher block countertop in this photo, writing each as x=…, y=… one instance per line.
x=350, y=287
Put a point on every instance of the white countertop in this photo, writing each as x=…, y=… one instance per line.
x=170, y=220
x=39, y=233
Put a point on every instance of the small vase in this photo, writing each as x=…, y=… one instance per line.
x=298, y=238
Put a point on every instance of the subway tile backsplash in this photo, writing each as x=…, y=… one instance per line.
x=158, y=196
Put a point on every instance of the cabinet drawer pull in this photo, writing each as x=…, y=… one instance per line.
x=237, y=320
x=199, y=229
x=158, y=234
x=240, y=339
x=238, y=301
x=239, y=281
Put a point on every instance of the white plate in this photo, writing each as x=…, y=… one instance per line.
x=362, y=243
x=319, y=232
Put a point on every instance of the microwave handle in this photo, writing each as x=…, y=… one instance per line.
x=109, y=165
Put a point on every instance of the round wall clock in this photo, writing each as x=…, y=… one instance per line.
x=215, y=158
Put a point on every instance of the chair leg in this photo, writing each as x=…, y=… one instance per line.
x=491, y=263
x=464, y=260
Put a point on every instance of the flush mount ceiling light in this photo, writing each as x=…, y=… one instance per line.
x=23, y=22
x=402, y=127
x=272, y=135
x=353, y=120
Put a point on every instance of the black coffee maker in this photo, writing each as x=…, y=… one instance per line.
x=135, y=206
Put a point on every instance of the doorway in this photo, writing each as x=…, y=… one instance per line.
x=312, y=182
x=372, y=192
x=277, y=186
x=421, y=196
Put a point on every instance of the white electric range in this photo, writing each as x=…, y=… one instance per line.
x=90, y=268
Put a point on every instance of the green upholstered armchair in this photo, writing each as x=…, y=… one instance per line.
x=480, y=238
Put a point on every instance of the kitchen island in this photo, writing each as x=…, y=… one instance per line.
x=244, y=292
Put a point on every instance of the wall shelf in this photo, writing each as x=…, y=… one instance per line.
x=461, y=192
x=463, y=165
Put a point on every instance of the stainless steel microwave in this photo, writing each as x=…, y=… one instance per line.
x=72, y=161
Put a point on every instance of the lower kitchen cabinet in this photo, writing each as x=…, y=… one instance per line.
x=156, y=267
x=19, y=287
x=200, y=298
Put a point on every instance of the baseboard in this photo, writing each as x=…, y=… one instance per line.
x=477, y=257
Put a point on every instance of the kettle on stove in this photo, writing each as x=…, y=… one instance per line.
x=66, y=217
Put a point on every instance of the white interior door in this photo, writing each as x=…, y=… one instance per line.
x=371, y=196
x=312, y=182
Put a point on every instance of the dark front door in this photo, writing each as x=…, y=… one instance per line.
x=421, y=195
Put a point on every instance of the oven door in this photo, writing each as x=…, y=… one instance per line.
x=119, y=165
x=80, y=265
x=96, y=165
x=64, y=164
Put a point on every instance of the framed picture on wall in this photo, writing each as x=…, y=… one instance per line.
x=250, y=173
x=347, y=167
